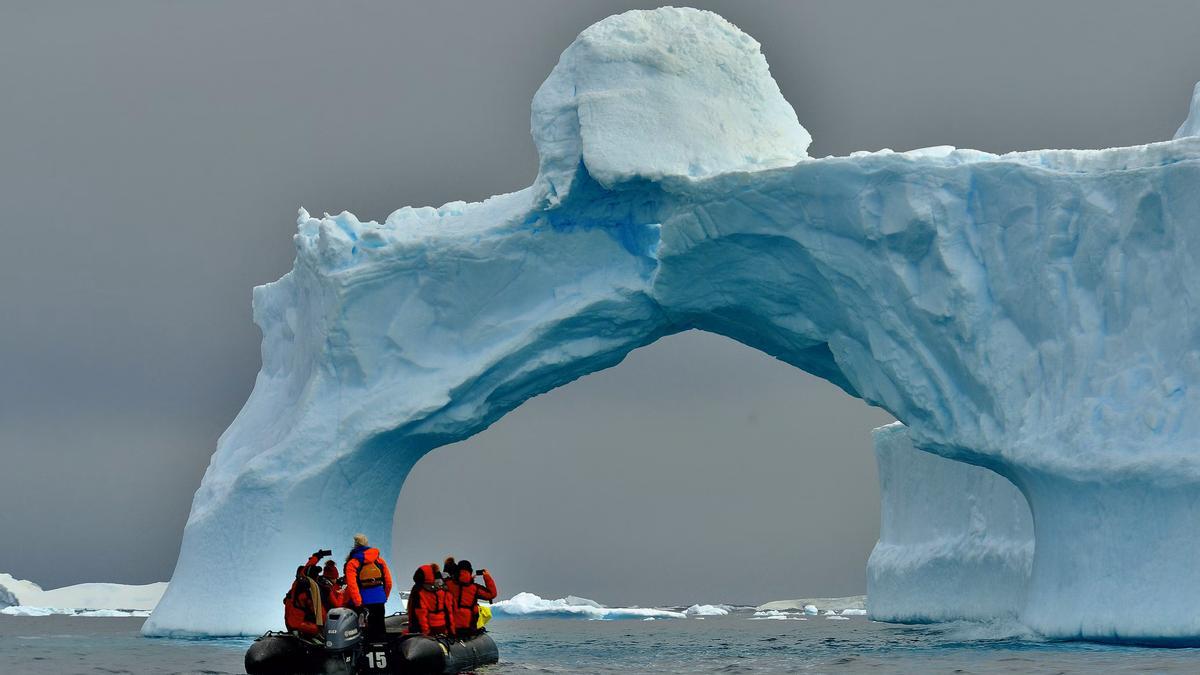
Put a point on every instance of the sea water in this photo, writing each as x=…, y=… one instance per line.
x=724, y=644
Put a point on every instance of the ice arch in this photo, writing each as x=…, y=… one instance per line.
x=1026, y=312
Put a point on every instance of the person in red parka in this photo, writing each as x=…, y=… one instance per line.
x=368, y=584
x=465, y=595
x=304, y=605
x=429, y=604
x=335, y=585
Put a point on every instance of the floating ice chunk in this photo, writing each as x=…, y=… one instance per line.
x=816, y=605
x=528, y=605
x=113, y=612
x=25, y=610
x=22, y=610
x=835, y=617
x=707, y=610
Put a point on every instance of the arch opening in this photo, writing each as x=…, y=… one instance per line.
x=693, y=457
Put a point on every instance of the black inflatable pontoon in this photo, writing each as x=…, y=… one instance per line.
x=346, y=652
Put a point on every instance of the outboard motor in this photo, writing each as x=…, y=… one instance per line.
x=288, y=654
x=343, y=637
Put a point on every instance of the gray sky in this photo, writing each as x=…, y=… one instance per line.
x=153, y=155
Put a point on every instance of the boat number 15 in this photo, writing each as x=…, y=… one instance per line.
x=377, y=660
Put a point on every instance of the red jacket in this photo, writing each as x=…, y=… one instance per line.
x=429, y=605
x=465, y=595
x=337, y=596
x=353, y=594
x=299, y=612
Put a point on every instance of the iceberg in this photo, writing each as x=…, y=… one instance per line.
x=955, y=540
x=778, y=615
x=1027, y=313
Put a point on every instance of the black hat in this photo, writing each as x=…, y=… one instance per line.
x=465, y=565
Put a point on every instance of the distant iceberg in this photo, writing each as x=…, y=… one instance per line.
x=708, y=610
x=528, y=605
x=92, y=599
x=816, y=605
x=23, y=610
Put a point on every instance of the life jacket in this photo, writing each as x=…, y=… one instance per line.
x=368, y=580
x=370, y=575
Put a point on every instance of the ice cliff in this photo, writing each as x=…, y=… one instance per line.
x=955, y=540
x=1029, y=313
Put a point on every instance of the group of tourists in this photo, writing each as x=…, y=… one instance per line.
x=444, y=600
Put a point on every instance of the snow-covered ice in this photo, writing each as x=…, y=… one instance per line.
x=955, y=540
x=1025, y=312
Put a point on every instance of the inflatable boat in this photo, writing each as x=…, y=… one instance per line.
x=345, y=651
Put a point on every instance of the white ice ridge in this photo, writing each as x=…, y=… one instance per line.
x=20, y=597
x=1026, y=312
x=955, y=540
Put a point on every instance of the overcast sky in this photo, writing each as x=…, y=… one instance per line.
x=153, y=156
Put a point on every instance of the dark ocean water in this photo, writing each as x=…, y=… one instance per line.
x=731, y=644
